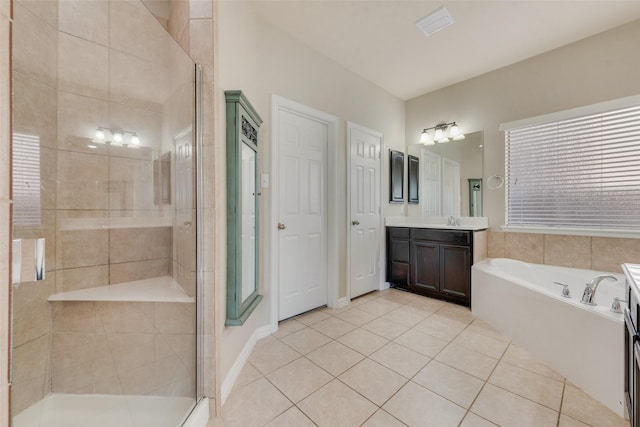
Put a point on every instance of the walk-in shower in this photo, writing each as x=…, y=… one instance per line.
x=104, y=170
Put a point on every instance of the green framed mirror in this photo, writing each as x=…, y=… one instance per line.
x=242, y=208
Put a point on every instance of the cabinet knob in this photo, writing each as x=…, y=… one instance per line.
x=281, y=226
x=355, y=222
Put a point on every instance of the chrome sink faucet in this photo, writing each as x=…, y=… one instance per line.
x=589, y=295
x=453, y=221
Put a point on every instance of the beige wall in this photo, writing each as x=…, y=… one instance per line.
x=596, y=69
x=5, y=226
x=261, y=60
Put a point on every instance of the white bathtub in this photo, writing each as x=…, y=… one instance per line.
x=583, y=343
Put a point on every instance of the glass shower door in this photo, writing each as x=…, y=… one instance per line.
x=104, y=222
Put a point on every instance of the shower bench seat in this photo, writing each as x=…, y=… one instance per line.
x=156, y=289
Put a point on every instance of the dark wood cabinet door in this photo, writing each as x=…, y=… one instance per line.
x=425, y=272
x=399, y=262
x=455, y=267
x=398, y=256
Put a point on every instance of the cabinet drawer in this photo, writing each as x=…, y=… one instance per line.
x=398, y=232
x=444, y=236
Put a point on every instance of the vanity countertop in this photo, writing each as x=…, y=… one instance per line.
x=438, y=222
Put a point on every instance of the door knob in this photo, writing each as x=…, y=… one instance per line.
x=281, y=226
x=356, y=222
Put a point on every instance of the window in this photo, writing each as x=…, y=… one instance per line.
x=26, y=180
x=575, y=172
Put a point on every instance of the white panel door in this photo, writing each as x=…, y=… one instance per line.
x=430, y=197
x=450, y=187
x=364, y=160
x=302, y=219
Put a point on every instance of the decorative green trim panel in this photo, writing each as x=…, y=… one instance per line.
x=243, y=123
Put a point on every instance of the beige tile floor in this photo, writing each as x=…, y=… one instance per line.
x=391, y=358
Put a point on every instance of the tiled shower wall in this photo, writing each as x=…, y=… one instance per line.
x=134, y=348
x=592, y=253
x=76, y=75
x=35, y=85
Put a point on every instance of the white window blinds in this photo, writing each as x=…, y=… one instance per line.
x=580, y=172
x=26, y=180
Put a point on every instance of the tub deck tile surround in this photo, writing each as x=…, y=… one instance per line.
x=368, y=376
x=590, y=253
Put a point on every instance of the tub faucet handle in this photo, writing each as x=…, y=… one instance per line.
x=616, y=307
x=565, y=290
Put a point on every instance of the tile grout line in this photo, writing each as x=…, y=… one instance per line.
x=482, y=388
x=564, y=386
x=410, y=379
x=378, y=407
x=445, y=307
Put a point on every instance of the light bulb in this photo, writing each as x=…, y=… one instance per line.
x=440, y=136
x=117, y=137
x=425, y=138
x=135, y=140
x=454, y=131
x=99, y=134
x=455, y=134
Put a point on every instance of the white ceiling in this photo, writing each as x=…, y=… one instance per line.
x=378, y=40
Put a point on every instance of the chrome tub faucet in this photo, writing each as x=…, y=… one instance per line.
x=589, y=295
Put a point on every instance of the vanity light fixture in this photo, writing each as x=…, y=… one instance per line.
x=117, y=136
x=442, y=133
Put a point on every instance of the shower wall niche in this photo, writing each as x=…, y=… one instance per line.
x=104, y=149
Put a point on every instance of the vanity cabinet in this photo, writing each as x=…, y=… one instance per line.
x=431, y=262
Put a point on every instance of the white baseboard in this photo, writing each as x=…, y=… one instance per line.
x=343, y=302
x=242, y=358
x=265, y=331
x=200, y=415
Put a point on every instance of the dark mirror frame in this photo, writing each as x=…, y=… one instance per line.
x=413, y=166
x=396, y=176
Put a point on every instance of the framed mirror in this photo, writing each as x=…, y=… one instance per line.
x=445, y=170
x=396, y=176
x=413, y=165
x=242, y=208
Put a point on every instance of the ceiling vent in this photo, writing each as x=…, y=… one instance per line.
x=435, y=21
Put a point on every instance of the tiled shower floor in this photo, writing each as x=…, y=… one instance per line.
x=100, y=410
x=392, y=359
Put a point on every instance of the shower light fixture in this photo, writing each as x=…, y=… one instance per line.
x=117, y=136
x=442, y=133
